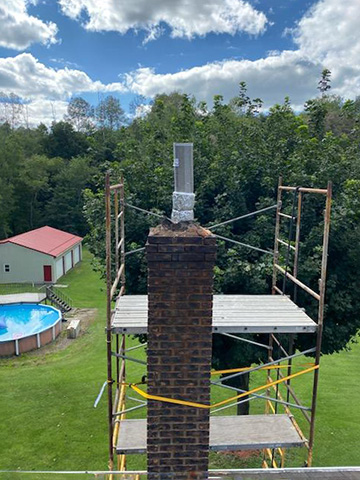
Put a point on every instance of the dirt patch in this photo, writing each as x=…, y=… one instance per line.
x=86, y=317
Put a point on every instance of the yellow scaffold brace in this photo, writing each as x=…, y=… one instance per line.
x=223, y=402
x=270, y=367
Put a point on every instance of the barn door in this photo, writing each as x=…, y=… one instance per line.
x=47, y=273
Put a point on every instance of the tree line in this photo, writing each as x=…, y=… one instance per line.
x=44, y=171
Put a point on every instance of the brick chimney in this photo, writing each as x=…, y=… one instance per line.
x=180, y=291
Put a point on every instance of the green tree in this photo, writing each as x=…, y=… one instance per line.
x=243, y=105
x=65, y=209
x=80, y=114
x=109, y=113
x=64, y=142
x=318, y=108
x=12, y=109
x=325, y=81
x=34, y=187
x=11, y=157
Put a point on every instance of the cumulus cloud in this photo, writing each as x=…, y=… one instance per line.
x=25, y=76
x=272, y=78
x=185, y=19
x=142, y=110
x=18, y=29
x=46, y=90
x=325, y=37
x=328, y=33
x=44, y=111
x=329, y=28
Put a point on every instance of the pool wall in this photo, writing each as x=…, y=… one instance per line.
x=30, y=342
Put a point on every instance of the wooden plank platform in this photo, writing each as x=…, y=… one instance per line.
x=231, y=314
x=247, y=432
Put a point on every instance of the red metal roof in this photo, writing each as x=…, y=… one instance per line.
x=47, y=240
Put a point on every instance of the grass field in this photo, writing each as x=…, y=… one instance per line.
x=46, y=399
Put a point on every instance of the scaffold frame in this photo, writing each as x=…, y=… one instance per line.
x=115, y=278
x=295, y=217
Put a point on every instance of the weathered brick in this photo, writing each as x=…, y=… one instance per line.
x=187, y=240
x=191, y=257
x=171, y=248
x=156, y=240
x=200, y=248
x=159, y=257
x=210, y=240
x=180, y=284
x=151, y=248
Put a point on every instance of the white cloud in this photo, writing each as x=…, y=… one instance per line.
x=25, y=76
x=328, y=28
x=327, y=36
x=44, y=111
x=46, y=89
x=142, y=110
x=18, y=29
x=185, y=18
x=64, y=63
x=271, y=78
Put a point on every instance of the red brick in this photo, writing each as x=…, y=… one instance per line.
x=180, y=284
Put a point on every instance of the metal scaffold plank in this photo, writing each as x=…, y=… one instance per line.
x=245, y=432
x=231, y=314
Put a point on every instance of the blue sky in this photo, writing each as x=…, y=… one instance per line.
x=51, y=50
x=106, y=55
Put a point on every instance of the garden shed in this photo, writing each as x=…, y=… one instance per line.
x=42, y=255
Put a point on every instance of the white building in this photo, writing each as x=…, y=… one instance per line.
x=39, y=256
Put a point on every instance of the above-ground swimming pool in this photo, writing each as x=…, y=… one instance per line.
x=26, y=326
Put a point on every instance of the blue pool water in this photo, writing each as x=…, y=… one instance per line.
x=22, y=320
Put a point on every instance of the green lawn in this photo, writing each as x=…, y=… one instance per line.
x=46, y=401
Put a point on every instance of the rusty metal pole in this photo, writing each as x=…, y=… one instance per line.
x=123, y=277
x=116, y=217
x=117, y=266
x=122, y=232
x=320, y=319
x=297, y=241
x=274, y=280
x=108, y=317
x=295, y=273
